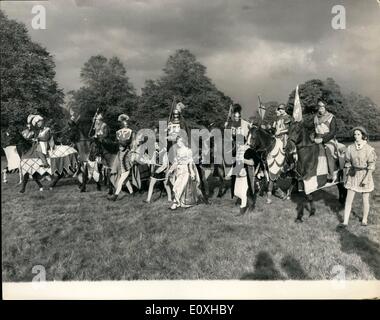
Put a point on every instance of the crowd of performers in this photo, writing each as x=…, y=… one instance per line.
x=181, y=177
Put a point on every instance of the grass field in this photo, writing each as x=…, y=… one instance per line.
x=82, y=236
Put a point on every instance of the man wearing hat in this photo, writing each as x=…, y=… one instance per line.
x=325, y=133
x=281, y=124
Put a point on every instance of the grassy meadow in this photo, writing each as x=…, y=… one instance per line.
x=83, y=236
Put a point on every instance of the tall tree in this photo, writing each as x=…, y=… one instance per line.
x=106, y=88
x=184, y=78
x=350, y=110
x=27, y=80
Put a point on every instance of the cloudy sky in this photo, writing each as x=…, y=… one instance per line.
x=249, y=47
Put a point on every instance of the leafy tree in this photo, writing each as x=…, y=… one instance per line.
x=185, y=79
x=350, y=110
x=364, y=112
x=106, y=89
x=27, y=81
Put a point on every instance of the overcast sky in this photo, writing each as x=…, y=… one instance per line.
x=251, y=47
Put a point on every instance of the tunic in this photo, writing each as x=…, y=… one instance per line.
x=359, y=161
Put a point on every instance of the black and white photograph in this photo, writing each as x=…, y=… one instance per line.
x=172, y=149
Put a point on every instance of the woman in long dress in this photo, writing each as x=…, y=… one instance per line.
x=360, y=163
x=184, y=177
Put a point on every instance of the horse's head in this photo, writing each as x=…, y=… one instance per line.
x=259, y=139
x=295, y=132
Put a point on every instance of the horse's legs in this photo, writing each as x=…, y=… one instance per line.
x=311, y=203
x=24, y=182
x=300, y=209
x=205, y=186
x=269, y=192
x=37, y=180
x=233, y=179
x=5, y=175
x=251, y=179
x=220, y=175
x=84, y=177
x=111, y=188
x=55, y=179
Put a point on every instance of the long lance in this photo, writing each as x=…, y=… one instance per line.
x=172, y=108
x=260, y=107
x=93, y=121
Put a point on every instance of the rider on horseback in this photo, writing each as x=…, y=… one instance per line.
x=325, y=133
x=39, y=133
x=281, y=126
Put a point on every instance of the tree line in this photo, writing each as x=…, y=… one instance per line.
x=29, y=86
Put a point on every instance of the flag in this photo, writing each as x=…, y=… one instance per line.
x=297, y=110
x=261, y=109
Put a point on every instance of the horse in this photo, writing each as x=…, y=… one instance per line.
x=87, y=169
x=311, y=167
x=62, y=160
x=226, y=171
x=274, y=158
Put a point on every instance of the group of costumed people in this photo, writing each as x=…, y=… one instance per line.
x=180, y=176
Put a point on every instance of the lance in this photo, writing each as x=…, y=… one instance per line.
x=172, y=108
x=93, y=121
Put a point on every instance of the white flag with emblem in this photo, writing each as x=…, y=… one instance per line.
x=297, y=110
x=261, y=109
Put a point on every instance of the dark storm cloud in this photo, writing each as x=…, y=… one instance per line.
x=249, y=47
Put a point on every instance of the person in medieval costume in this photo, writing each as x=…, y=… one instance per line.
x=325, y=133
x=101, y=134
x=177, y=123
x=184, y=177
x=122, y=165
x=41, y=135
x=239, y=131
x=281, y=125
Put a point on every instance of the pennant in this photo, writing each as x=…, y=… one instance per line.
x=261, y=109
x=297, y=110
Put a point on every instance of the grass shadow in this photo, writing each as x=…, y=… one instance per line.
x=293, y=269
x=369, y=251
x=264, y=269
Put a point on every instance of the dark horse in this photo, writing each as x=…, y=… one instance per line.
x=76, y=135
x=308, y=153
x=208, y=167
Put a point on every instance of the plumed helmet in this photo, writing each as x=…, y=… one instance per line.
x=123, y=117
x=36, y=119
x=180, y=106
x=30, y=118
